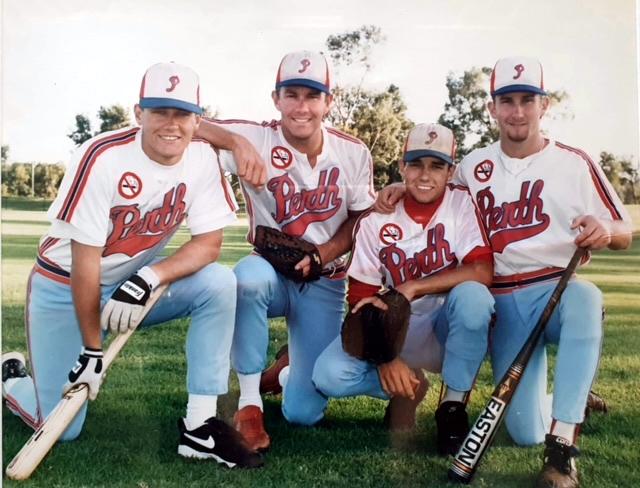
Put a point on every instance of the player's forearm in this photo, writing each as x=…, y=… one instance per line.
x=443, y=282
x=342, y=240
x=191, y=257
x=217, y=136
x=621, y=235
x=85, y=289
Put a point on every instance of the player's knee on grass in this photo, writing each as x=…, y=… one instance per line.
x=74, y=429
x=527, y=423
x=302, y=414
x=472, y=303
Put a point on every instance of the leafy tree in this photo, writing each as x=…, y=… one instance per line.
x=378, y=118
x=111, y=118
x=379, y=121
x=16, y=179
x=82, y=132
x=5, y=153
x=623, y=176
x=47, y=180
x=466, y=114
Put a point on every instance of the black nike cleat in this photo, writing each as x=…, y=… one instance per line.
x=217, y=440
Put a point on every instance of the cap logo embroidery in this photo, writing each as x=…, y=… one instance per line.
x=519, y=70
x=174, y=80
x=305, y=64
x=433, y=135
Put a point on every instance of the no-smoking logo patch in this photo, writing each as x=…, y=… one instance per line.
x=130, y=185
x=483, y=171
x=281, y=157
x=390, y=233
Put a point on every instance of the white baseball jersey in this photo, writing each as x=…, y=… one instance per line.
x=527, y=205
x=391, y=249
x=113, y=196
x=302, y=201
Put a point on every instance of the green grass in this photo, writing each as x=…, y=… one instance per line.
x=130, y=435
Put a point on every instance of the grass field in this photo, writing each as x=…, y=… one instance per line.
x=130, y=435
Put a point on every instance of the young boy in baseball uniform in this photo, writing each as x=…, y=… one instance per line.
x=123, y=197
x=434, y=251
x=539, y=199
x=318, y=181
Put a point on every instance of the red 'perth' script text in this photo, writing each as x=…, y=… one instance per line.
x=305, y=206
x=133, y=233
x=436, y=256
x=513, y=221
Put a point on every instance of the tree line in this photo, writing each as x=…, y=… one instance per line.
x=378, y=118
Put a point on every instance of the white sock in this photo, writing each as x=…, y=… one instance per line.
x=452, y=395
x=249, y=390
x=563, y=429
x=199, y=409
x=283, y=376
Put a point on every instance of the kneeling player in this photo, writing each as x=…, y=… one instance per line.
x=121, y=200
x=434, y=251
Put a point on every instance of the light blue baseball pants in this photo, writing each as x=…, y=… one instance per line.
x=313, y=313
x=576, y=327
x=54, y=340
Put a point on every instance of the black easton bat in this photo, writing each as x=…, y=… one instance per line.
x=481, y=434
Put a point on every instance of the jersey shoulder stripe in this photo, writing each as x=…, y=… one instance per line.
x=231, y=121
x=356, y=228
x=465, y=191
x=89, y=158
x=344, y=136
x=265, y=123
x=596, y=177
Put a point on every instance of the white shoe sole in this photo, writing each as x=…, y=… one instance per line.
x=188, y=452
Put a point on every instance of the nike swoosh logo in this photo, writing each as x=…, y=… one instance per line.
x=208, y=443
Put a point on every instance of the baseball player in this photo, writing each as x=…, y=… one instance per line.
x=318, y=181
x=433, y=250
x=124, y=195
x=539, y=199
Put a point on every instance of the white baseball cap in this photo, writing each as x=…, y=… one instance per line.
x=304, y=68
x=518, y=74
x=171, y=85
x=430, y=140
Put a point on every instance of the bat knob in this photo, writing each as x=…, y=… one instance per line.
x=457, y=477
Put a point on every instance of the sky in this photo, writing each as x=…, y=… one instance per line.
x=64, y=57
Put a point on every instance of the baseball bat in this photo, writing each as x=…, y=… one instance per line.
x=33, y=452
x=484, y=429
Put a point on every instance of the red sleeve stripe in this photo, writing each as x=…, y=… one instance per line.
x=232, y=121
x=46, y=244
x=476, y=211
x=601, y=187
x=354, y=234
x=84, y=168
x=344, y=136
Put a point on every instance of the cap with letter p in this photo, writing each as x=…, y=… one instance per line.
x=171, y=85
x=433, y=140
x=304, y=68
x=517, y=74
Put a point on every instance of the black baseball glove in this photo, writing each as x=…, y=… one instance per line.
x=377, y=335
x=284, y=252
